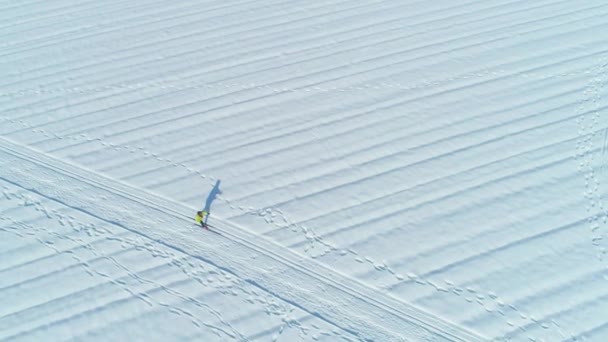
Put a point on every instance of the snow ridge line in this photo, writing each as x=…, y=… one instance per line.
x=404, y=318
x=189, y=85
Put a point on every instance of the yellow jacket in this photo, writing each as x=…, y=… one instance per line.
x=200, y=217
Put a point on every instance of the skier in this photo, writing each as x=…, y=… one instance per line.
x=200, y=218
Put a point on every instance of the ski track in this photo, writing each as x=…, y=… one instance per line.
x=193, y=270
x=285, y=55
x=419, y=321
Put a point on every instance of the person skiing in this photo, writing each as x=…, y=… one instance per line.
x=200, y=218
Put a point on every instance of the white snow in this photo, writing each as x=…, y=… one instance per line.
x=388, y=170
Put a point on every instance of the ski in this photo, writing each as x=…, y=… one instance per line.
x=207, y=228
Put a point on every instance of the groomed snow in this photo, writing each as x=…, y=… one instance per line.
x=388, y=170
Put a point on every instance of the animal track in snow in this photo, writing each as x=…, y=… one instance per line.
x=224, y=283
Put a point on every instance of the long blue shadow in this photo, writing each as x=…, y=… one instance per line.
x=211, y=197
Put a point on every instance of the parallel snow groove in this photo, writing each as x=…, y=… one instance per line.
x=114, y=28
x=114, y=63
x=176, y=150
x=404, y=165
x=310, y=269
x=145, y=53
x=490, y=140
x=173, y=26
x=396, y=191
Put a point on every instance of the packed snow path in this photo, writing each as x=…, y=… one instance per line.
x=345, y=303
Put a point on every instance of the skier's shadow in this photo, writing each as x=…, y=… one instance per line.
x=211, y=197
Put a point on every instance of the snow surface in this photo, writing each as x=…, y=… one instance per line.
x=380, y=170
